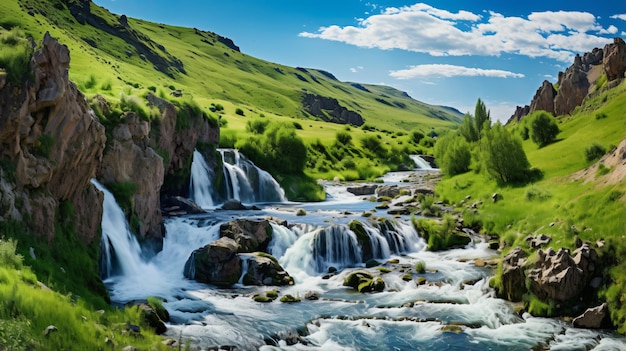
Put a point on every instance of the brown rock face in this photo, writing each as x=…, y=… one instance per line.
x=264, y=270
x=615, y=59
x=250, y=235
x=544, y=98
x=330, y=110
x=561, y=277
x=130, y=159
x=216, y=263
x=513, y=275
x=55, y=140
x=573, y=87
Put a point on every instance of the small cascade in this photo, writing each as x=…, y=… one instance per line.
x=200, y=184
x=420, y=163
x=245, y=264
x=315, y=251
x=248, y=183
x=120, y=249
x=282, y=239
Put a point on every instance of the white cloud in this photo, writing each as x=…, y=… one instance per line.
x=439, y=70
x=620, y=16
x=356, y=69
x=422, y=28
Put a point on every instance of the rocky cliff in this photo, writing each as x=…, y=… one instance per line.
x=579, y=80
x=54, y=142
x=330, y=110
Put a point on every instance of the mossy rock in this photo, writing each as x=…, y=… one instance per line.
x=457, y=329
x=272, y=294
x=260, y=298
x=420, y=281
x=363, y=239
x=289, y=299
x=384, y=270
x=363, y=281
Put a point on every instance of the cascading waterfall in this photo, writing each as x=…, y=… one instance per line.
x=420, y=163
x=200, y=182
x=120, y=249
x=315, y=251
x=248, y=183
x=242, y=181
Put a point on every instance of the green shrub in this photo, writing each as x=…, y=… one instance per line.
x=594, y=152
x=239, y=111
x=420, y=267
x=8, y=255
x=373, y=144
x=601, y=115
x=297, y=125
x=543, y=128
x=257, y=125
x=133, y=104
x=343, y=137
x=503, y=156
x=15, y=53
x=453, y=154
x=602, y=170
x=535, y=193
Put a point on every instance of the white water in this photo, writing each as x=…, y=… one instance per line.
x=404, y=316
x=200, y=184
x=243, y=181
x=420, y=163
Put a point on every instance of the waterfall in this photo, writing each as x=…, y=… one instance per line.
x=420, y=163
x=315, y=251
x=248, y=183
x=242, y=181
x=120, y=249
x=200, y=182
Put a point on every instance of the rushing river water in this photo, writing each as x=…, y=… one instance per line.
x=454, y=310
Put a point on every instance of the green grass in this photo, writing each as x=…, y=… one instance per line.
x=559, y=201
x=27, y=308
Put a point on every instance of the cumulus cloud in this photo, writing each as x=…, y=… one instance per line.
x=441, y=70
x=438, y=32
x=620, y=16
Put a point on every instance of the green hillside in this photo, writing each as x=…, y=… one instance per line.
x=111, y=58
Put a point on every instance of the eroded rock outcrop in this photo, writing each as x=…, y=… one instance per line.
x=559, y=276
x=614, y=60
x=56, y=143
x=544, y=98
x=573, y=88
x=330, y=110
x=578, y=81
x=263, y=269
x=513, y=275
x=129, y=159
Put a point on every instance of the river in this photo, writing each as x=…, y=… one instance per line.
x=449, y=306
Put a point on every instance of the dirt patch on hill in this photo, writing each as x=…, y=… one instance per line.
x=615, y=161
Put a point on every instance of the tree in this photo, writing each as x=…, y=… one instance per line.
x=503, y=156
x=482, y=117
x=453, y=154
x=468, y=129
x=543, y=129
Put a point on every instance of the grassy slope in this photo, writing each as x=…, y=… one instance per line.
x=561, y=205
x=215, y=73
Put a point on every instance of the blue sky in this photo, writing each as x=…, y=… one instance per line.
x=440, y=52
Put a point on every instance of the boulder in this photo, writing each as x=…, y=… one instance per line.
x=561, y=277
x=216, y=263
x=513, y=275
x=249, y=235
x=151, y=318
x=593, y=318
x=388, y=191
x=367, y=189
x=364, y=282
x=180, y=205
x=233, y=205
x=539, y=240
x=614, y=61
x=263, y=269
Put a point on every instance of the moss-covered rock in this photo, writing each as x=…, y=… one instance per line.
x=364, y=282
x=289, y=299
x=364, y=240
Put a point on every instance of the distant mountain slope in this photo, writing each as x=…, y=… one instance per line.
x=114, y=54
